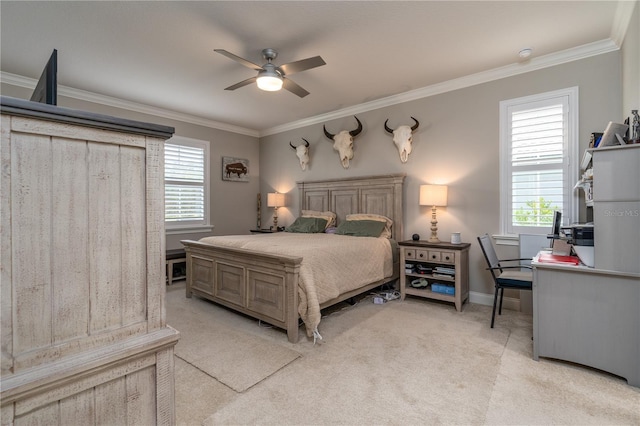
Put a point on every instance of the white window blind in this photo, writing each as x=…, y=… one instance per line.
x=537, y=147
x=538, y=143
x=186, y=182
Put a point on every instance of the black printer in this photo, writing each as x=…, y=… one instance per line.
x=579, y=234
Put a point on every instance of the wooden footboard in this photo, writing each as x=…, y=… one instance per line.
x=263, y=286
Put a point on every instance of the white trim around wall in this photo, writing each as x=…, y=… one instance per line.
x=487, y=299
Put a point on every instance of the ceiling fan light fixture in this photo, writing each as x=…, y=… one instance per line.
x=269, y=81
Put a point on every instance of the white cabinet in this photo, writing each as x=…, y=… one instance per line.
x=84, y=333
x=616, y=208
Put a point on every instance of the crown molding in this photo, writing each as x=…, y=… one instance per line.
x=534, y=64
x=83, y=95
x=622, y=20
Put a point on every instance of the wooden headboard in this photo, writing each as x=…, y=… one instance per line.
x=382, y=195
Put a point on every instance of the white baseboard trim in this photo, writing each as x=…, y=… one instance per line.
x=487, y=299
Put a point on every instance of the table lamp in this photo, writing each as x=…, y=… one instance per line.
x=275, y=200
x=433, y=195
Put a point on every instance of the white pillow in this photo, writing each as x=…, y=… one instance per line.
x=386, y=232
x=329, y=216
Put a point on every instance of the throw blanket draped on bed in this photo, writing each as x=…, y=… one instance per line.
x=332, y=264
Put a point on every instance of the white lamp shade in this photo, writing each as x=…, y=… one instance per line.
x=275, y=199
x=270, y=83
x=433, y=195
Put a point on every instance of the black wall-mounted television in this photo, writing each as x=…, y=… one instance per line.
x=46, y=90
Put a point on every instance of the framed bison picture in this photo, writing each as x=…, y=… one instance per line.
x=235, y=169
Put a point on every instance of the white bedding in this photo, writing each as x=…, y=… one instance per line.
x=332, y=264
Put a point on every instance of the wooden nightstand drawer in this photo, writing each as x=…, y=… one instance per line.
x=422, y=255
x=434, y=256
x=409, y=254
x=447, y=257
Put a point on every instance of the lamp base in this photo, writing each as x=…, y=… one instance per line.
x=434, y=227
x=275, y=219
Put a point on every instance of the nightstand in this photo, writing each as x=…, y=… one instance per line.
x=443, y=267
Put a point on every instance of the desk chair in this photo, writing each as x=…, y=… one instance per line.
x=514, y=277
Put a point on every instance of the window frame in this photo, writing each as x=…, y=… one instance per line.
x=193, y=226
x=569, y=165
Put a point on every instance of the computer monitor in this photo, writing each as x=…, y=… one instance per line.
x=557, y=224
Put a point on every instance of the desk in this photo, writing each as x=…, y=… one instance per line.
x=587, y=316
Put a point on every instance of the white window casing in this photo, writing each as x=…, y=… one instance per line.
x=539, y=161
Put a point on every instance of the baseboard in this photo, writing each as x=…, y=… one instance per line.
x=487, y=299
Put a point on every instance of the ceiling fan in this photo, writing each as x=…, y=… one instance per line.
x=271, y=77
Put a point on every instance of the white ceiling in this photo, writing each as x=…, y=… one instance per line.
x=160, y=54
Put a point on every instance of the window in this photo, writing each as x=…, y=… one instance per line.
x=186, y=184
x=538, y=153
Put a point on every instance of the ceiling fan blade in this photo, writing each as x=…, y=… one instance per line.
x=301, y=65
x=238, y=59
x=242, y=83
x=294, y=88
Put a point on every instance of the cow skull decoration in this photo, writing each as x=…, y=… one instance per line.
x=403, y=138
x=302, y=151
x=343, y=142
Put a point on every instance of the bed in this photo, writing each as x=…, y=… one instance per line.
x=273, y=277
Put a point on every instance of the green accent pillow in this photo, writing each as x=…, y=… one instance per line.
x=307, y=225
x=361, y=228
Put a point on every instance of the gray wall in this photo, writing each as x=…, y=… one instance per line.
x=631, y=65
x=457, y=144
x=233, y=204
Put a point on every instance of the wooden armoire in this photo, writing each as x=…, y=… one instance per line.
x=84, y=334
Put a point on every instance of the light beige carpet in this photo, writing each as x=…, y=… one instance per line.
x=413, y=362
x=396, y=357
x=217, y=348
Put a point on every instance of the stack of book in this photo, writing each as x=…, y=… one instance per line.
x=444, y=272
x=545, y=257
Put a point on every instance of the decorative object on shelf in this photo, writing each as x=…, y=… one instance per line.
x=403, y=138
x=235, y=169
x=259, y=222
x=415, y=237
x=302, y=151
x=635, y=127
x=456, y=238
x=433, y=195
x=594, y=140
x=343, y=142
x=275, y=200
